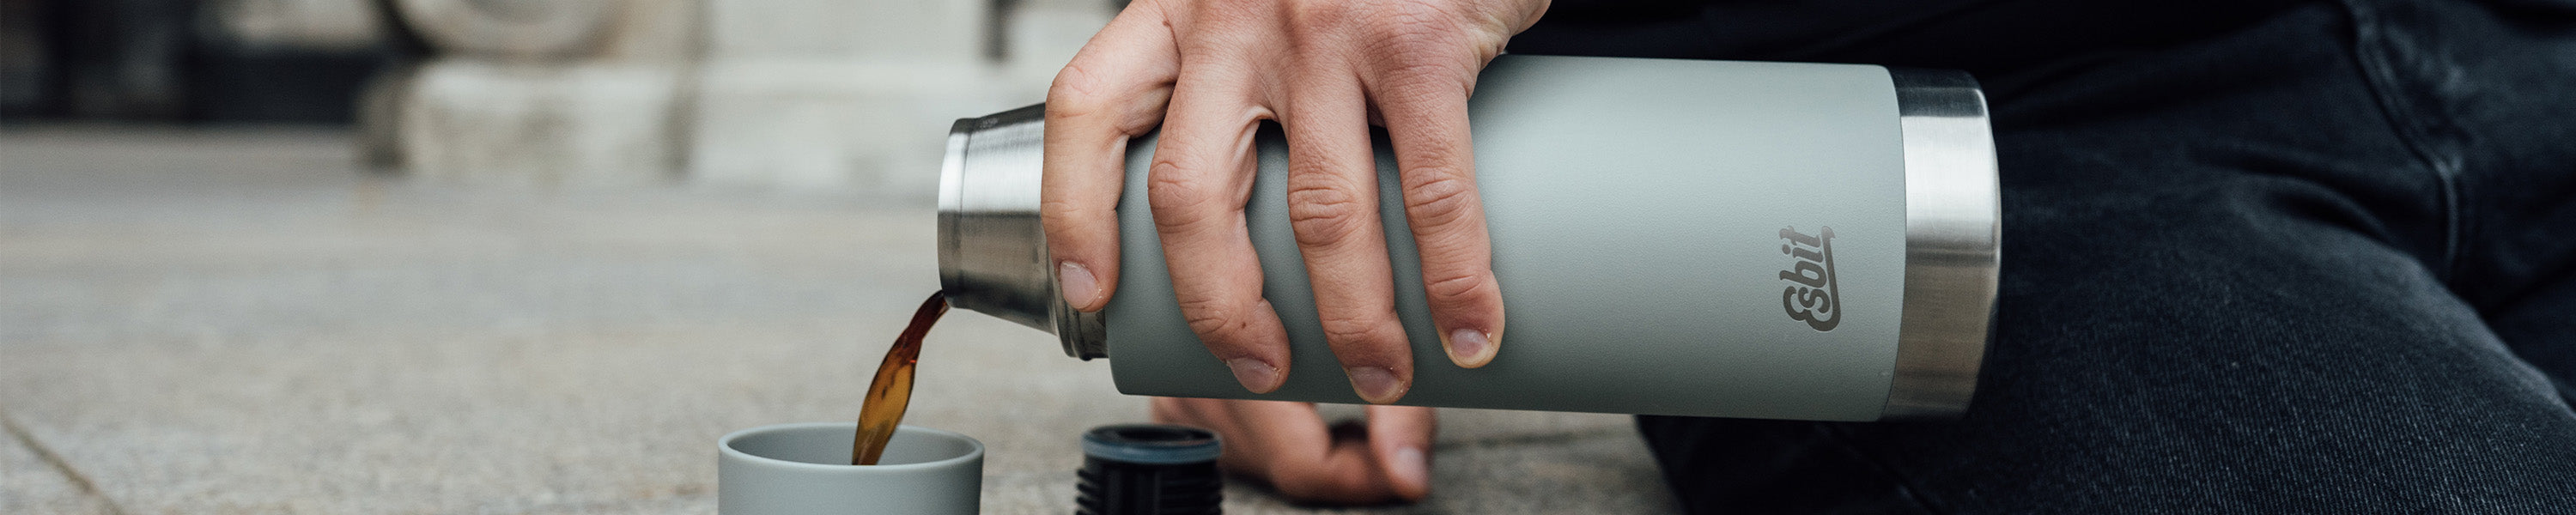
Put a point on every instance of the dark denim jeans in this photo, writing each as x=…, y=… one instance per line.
x=2322, y=263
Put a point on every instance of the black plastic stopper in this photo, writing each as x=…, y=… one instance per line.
x=1149, y=469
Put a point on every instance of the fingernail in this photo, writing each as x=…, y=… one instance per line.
x=1470, y=348
x=1256, y=375
x=1411, y=466
x=1079, y=287
x=1377, y=385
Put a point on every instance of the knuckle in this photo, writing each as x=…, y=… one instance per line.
x=1454, y=287
x=1416, y=19
x=1319, y=17
x=1434, y=198
x=1352, y=329
x=1074, y=92
x=1212, y=320
x=1205, y=316
x=1414, y=46
x=1223, y=12
x=1176, y=196
x=1324, y=216
x=1417, y=81
x=1065, y=219
x=1054, y=208
x=1078, y=93
x=1422, y=79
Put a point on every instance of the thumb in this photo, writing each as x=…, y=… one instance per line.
x=1400, y=437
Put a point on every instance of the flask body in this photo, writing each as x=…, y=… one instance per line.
x=1763, y=240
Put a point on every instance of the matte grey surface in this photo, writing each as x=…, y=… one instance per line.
x=1636, y=208
x=239, y=322
x=803, y=469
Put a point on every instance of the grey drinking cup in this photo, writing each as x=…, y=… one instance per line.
x=797, y=469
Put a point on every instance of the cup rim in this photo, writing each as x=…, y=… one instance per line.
x=724, y=446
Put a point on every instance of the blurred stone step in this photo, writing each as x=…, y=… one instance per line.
x=808, y=122
x=483, y=122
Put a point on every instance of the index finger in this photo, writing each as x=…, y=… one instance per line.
x=1114, y=90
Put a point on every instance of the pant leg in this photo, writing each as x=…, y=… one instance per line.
x=2227, y=287
x=2496, y=85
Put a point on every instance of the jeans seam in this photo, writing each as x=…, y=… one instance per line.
x=2370, y=57
x=1904, y=486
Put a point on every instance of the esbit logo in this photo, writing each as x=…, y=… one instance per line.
x=1812, y=296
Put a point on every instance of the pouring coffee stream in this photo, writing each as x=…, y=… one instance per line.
x=891, y=391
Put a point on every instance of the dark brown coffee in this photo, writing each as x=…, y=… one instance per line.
x=892, y=389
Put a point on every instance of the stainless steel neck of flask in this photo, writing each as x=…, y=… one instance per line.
x=992, y=250
x=993, y=254
x=1953, y=242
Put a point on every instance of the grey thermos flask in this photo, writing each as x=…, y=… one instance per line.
x=1733, y=239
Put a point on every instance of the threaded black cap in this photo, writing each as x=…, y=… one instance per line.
x=1149, y=469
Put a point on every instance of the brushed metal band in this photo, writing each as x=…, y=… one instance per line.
x=992, y=246
x=1953, y=242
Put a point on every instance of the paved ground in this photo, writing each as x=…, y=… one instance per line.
x=238, y=322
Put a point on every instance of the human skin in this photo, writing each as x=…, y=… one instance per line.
x=1207, y=73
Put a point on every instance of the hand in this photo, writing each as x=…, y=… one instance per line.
x=1208, y=72
x=1288, y=445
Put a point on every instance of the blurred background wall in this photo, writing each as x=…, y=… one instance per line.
x=791, y=94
